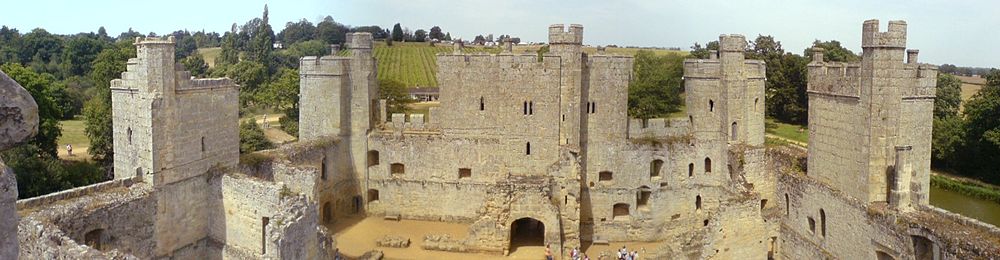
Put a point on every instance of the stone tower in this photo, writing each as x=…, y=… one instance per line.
x=725, y=94
x=169, y=130
x=568, y=45
x=870, y=122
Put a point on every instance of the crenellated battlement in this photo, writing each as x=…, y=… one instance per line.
x=559, y=34
x=835, y=78
x=658, y=127
x=326, y=65
x=894, y=37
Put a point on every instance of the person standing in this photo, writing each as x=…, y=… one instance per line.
x=69, y=149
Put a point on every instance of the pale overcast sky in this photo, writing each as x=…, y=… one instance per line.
x=957, y=32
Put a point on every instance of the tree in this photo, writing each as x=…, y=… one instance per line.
x=108, y=65
x=949, y=96
x=420, y=35
x=377, y=32
x=436, y=33
x=982, y=131
x=79, y=53
x=250, y=76
x=196, y=65
x=300, y=31
x=397, y=33
x=252, y=137
x=833, y=51
x=10, y=45
x=41, y=87
x=447, y=37
x=702, y=53
x=308, y=48
x=786, y=80
x=331, y=31
x=395, y=94
x=185, y=46
x=230, y=53
x=655, y=88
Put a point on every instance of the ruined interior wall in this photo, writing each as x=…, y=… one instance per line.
x=736, y=231
x=244, y=202
x=508, y=201
x=189, y=201
x=658, y=128
x=209, y=116
x=8, y=212
x=837, y=141
x=56, y=224
x=916, y=125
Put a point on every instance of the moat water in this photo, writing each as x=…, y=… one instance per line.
x=980, y=209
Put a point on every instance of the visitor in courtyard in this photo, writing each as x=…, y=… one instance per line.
x=548, y=252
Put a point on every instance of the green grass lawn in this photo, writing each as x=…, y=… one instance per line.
x=787, y=131
x=73, y=133
x=209, y=54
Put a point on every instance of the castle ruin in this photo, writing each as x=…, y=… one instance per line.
x=524, y=147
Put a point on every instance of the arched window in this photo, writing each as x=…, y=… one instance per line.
x=95, y=239
x=322, y=168
x=642, y=198
x=787, y=205
x=654, y=168
x=690, y=169
x=697, y=202
x=822, y=222
x=708, y=165
x=733, y=133
x=711, y=106
x=619, y=210
x=397, y=168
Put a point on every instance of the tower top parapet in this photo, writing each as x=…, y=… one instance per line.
x=359, y=40
x=558, y=34
x=732, y=43
x=894, y=37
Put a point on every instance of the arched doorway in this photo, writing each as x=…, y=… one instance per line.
x=526, y=232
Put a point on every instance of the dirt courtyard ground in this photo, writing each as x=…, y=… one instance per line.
x=357, y=235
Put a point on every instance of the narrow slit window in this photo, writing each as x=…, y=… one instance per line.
x=202, y=144
x=708, y=165
x=531, y=107
x=482, y=105
x=527, y=148
x=711, y=105
x=690, y=169
x=697, y=202
x=525, y=109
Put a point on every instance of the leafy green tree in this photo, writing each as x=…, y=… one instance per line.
x=982, y=135
x=195, y=64
x=436, y=33
x=397, y=33
x=949, y=96
x=252, y=137
x=396, y=96
x=10, y=45
x=420, y=35
x=250, y=76
x=655, y=88
x=230, y=54
x=40, y=46
x=833, y=51
x=108, y=65
x=185, y=46
x=49, y=112
x=702, y=53
x=947, y=140
x=262, y=43
x=79, y=53
x=786, y=80
x=308, y=48
x=331, y=31
x=300, y=31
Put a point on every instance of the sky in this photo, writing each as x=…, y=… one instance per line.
x=954, y=32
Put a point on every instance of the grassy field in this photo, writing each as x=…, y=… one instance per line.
x=966, y=186
x=786, y=131
x=970, y=86
x=73, y=134
x=210, y=54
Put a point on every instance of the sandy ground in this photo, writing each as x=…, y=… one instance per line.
x=355, y=236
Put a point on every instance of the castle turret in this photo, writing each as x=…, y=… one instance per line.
x=157, y=66
x=567, y=43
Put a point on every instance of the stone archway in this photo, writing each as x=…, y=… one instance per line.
x=526, y=232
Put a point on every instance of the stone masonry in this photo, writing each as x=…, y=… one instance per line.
x=524, y=149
